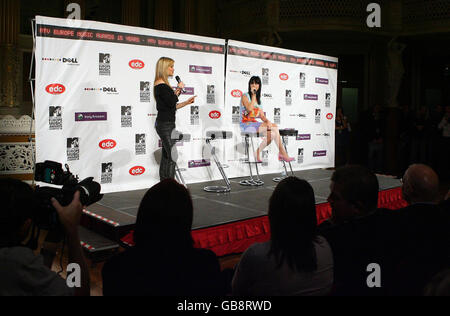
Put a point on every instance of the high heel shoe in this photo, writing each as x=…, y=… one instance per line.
x=289, y=159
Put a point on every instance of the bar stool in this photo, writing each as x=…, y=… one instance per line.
x=210, y=136
x=286, y=133
x=251, y=181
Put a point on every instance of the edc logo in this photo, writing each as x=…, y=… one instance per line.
x=330, y=116
x=137, y=171
x=236, y=93
x=55, y=89
x=284, y=77
x=107, y=144
x=136, y=64
x=215, y=115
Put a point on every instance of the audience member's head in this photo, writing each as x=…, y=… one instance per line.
x=293, y=224
x=420, y=185
x=354, y=192
x=165, y=217
x=16, y=211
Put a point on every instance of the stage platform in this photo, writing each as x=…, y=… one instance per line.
x=226, y=223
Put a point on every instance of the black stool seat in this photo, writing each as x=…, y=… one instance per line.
x=251, y=134
x=288, y=132
x=219, y=135
x=181, y=137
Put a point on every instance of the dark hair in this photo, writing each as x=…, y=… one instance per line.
x=17, y=206
x=293, y=224
x=165, y=217
x=257, y=80
x=358, y=185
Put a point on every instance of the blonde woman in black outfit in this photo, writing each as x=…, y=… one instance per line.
x=167, y=105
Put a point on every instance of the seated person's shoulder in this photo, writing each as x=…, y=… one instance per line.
x=23, y=273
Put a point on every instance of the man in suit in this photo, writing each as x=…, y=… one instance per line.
x=422, y=227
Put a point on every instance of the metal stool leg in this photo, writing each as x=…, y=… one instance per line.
x=247, y=182
x=284, y=174
x=290, y=164
x=218, y=189
x=179, y=176
x=251, y=181
x=258, y=181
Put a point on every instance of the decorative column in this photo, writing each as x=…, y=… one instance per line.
x=131, y=12
x=164, y=15
x=9, y=57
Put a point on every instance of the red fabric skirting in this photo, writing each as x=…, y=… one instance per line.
x=236, y=237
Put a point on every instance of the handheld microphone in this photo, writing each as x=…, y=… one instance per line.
x=179, y=81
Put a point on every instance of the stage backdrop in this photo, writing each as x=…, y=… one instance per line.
x=298, y=92
x=95, y=108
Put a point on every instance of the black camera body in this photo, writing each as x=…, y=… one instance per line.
x=52, y=172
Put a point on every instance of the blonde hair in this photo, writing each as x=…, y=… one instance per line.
x=161, y=69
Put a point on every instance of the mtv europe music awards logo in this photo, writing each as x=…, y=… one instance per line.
x=318, y=115
x=302, y=80
x=145, y=91
x=265, y=76
x=107, y=173
x=73, y=149
x=195, y=115
x=288, y=97
x=327, y=100
x=211, y=95
x=55, y=118
x=235, y=114
x=277, y=115
x=140, y=146
x=104, y=64
x=126, y=116
x=300, y=156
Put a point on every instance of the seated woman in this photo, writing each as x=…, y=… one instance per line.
x=251, y=110
x=296, y=261
x=164, y=261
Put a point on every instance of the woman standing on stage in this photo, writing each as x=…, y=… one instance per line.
x=251, y=109
x=167, y=105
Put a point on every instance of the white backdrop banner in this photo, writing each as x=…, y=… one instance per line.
x=298, y=92
x=95, y=108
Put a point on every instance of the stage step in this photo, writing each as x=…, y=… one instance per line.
x=96, y=247
x=110, y=223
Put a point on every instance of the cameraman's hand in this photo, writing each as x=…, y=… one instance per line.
x=70, y=215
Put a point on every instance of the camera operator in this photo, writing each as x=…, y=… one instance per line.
x=21, y=272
